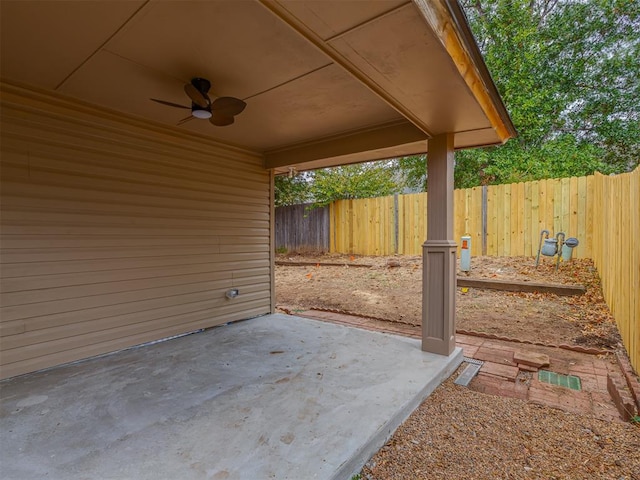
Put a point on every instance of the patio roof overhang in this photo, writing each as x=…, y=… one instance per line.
x=326, y=82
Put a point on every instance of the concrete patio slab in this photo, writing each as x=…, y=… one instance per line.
x=273, y=397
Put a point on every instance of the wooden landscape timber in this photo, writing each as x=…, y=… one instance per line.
x=515, y=286
x=323, y=264
x=509, y=286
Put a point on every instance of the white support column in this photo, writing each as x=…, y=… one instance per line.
x=439, y=251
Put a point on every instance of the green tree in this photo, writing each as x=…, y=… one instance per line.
x=321, y=187
x=362, y=180
x=292, y=190
x=414, y=172
x=569, y=75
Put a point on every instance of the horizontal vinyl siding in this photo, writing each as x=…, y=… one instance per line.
x=115, y=232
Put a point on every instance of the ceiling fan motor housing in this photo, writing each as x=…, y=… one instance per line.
x=202, y=84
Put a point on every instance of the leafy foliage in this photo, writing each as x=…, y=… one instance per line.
x=414, y=172
x=568, y=73
x=363, y=180
x=291, y=190
x=321, y=187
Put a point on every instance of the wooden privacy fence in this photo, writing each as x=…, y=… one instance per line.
x=502, y=220
x=300, y=229
x=616, y=252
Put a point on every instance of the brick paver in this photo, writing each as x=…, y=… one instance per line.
x=501, y=375
x=495, y=355
x=508, y=372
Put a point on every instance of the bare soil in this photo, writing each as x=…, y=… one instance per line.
x=390, y=288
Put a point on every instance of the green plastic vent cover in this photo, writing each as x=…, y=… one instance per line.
x=567, y=381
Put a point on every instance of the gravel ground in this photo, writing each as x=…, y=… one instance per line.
x=460, y=433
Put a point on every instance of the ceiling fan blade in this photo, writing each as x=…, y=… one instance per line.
x=170, y=104
x=199, y=98
x=228, y=106
x=221, y=120
x=185, y=120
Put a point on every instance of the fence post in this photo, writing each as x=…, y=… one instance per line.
x=396, y=225
x=484, y=219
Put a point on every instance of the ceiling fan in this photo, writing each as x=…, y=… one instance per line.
x=220, y=112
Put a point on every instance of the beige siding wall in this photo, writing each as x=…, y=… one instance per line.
x=116, y=232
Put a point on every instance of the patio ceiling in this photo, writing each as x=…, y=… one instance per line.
x=325, y=82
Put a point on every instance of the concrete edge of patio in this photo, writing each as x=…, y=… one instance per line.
x=380, y=437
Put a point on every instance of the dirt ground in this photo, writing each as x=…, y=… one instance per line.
x=390, y=288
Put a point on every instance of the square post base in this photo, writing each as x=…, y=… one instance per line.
x=439, y=294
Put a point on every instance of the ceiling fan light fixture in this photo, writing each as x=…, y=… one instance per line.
x=201, y=113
